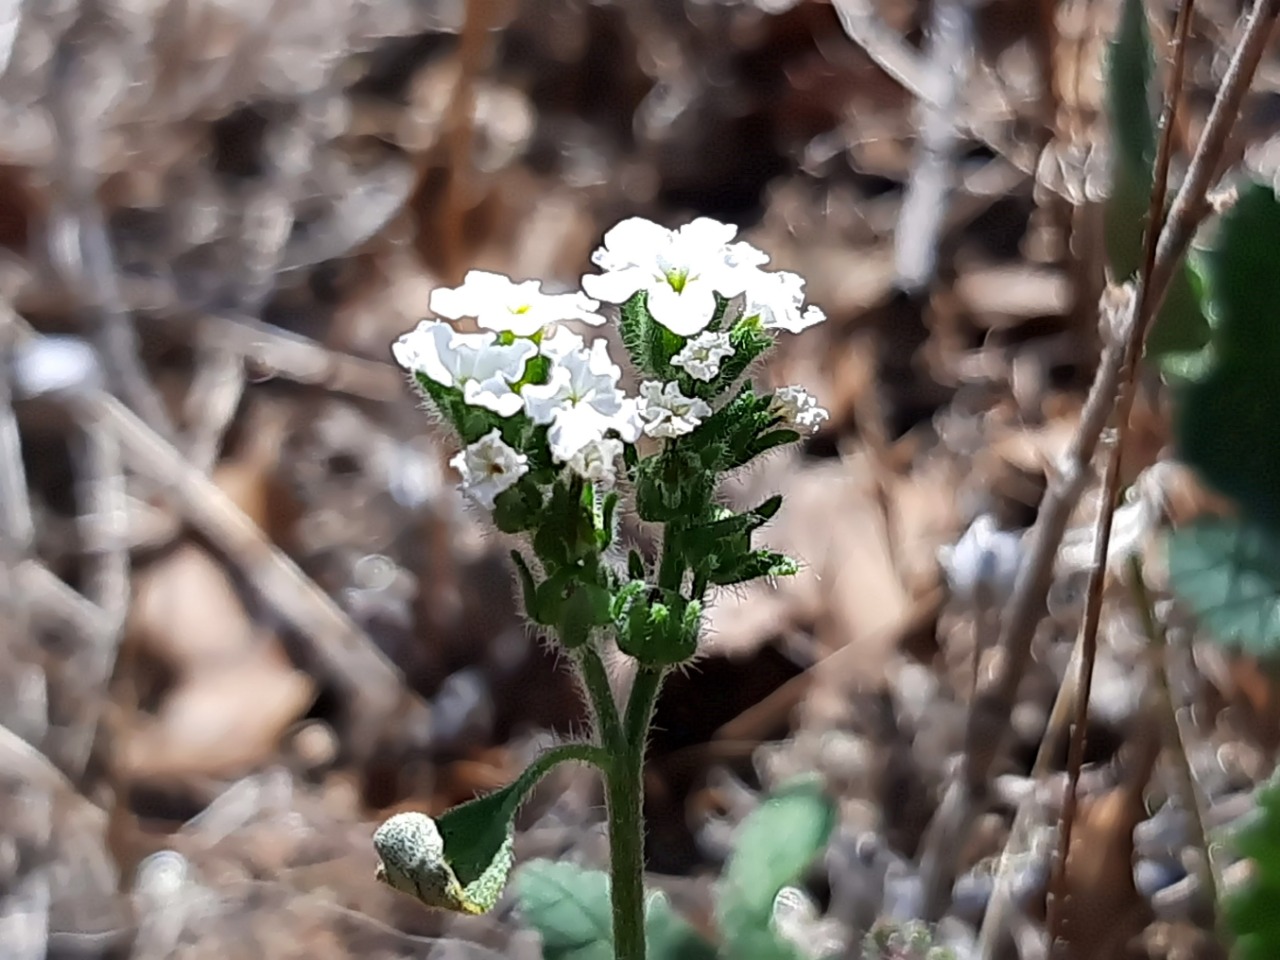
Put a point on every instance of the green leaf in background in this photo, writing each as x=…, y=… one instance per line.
x=1228, y=422
x=570, y=908
x=1181, y=327
x=669, y=936
x=775, y=845
x=1228, y=573
x=1252, y=912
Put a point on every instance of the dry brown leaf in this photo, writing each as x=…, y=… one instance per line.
x=1103, y=909
x=187, y=614
x=219, y=723
x=853, y=584
x=1006, y=294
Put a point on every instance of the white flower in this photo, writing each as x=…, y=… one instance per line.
x=666, y=412
x=488, y=467
x=701, y=356
x=596, y=461
x=498, y=303
x=580, y=400
x=681, y=270
x=777, y=297
x=560, y=344
x=475, y=363
x=799, y=408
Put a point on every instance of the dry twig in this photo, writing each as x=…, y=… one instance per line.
x=1136, y=338
x=17, y=528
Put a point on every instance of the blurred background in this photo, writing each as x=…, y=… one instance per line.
x=244, y=614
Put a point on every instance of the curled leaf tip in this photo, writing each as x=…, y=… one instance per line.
x=414, y=862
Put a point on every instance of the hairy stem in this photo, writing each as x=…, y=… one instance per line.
x=600, y=697
x=625, y=792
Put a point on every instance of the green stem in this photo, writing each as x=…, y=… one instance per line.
x=625, y=794
x=600, y=695
x=644, y=697
x=588, y=753
x=671, y=564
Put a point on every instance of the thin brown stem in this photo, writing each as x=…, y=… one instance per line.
x=1111, y=490
x=472, y=55
x=1190, y=205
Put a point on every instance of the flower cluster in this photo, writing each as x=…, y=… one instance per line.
x=524, y=362
x=546, y=428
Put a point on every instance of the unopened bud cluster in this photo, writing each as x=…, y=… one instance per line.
x=550, y=441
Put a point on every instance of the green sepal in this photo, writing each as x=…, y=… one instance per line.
x=649, y=344
x=635, y=565
x=752, y=566
x=586, y=607
x=517, y=509
x=764, y=443
x=719, y=549
x=566, y=533
x=737, y=431
x=553, y=593
x=658, y=627
x=460, y=861
x=470, y=422
x=608, y=520
x=674, y=485
x=528, y=589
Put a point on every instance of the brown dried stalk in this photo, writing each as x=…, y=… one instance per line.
x=989, y=714
x=1143, y=316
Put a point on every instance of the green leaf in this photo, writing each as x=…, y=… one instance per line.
x=1228, y=573
x=1181, y=326
x=752, y=566
x=775, y=845
x=570, y=908
x=1228, y=422
x=1252, y=911
x=669, y=936
x=1131, y=67
x=460, y=861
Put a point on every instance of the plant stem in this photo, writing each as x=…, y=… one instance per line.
x=625, y=793
x=600, y=699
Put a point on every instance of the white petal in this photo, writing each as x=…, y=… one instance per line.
x=493, y=395
x=616, y=286
x=686, y=313
x=542, y=401
x=574, y=427
x=706, y=234
x=632, y=241
x=562, y=343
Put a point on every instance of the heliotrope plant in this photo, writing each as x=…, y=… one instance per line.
x=551, y=447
